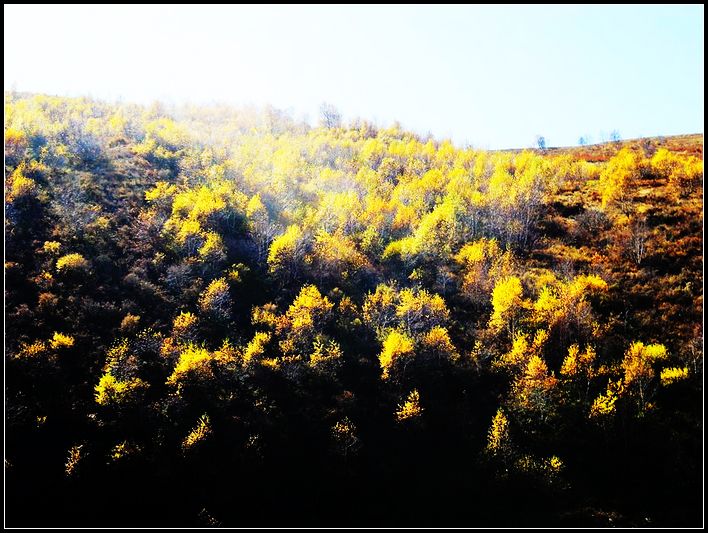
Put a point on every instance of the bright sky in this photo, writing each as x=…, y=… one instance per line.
x=491, y=76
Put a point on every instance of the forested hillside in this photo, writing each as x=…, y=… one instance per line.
x=219, y=316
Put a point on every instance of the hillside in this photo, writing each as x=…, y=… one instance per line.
x=212, y=313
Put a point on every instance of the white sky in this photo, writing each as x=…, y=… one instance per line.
x=492, y=76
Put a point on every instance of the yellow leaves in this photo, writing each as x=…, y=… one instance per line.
x=15, y=140
x=531, y=390
x=301, y=324
x=72, y=461
x=161, y=191
x=477, y=251
x=116, y=353
x=227, y=354
x=339, y=211
x=436, y=231
x=638, y=375
x=498, y=440
x=653, y=352
x=484, y=263
x=325, y=355
x=213, y=246
x=19, y=186
x=578, y=363
x=255, y=206
x=59, y=340
x=638, y=359
x=197, y=213
x=605, y=404
x=410, y=409
x=437, y=342
x=379, y=307
x=309, y=308
x=501, y=187
x=560, y=304
x=419, y=310
x=587, y=284
x=536, y=370
x=71, y=263
x=414, y=310
x=198, y=204
x=123, y=450
x=547, y=306
x=255, y=349
x=48, y=349
x=396, y=346
x=183, y=322
x=130, y=322
x=266, y=315
x=344, y=432
x=286, y=249
x=215, y=299
x=673, y=374
x=401, y=248
x=339, y=254
x=506, y=302
x=663, y=163
x=518, y=356
x=618, y=176
x=111, y=391
x=33, y=350
x=188, y=229
x=683, y=173
x=194, y=363
x=51, y=247
x=167, y=132
x=555, y=464
x=199, y=434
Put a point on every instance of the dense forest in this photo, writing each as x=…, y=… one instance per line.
x=227, y=317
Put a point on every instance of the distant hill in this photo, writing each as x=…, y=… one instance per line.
x=689, y=144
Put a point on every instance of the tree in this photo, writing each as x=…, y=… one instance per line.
x=639, y=372
x=398, y=350
x=507, y=302
x=286, y=253
x=216, y=301
x=541, y=142
x=330, y=116
x=618, y=177
x=410, y=409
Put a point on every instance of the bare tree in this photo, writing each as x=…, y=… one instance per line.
x=638, y=239
x=541, y=142
x=330, y=117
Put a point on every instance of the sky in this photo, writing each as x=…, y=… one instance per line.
x=492, y=77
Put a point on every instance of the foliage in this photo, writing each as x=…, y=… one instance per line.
x=351, y=305
x=410, y=409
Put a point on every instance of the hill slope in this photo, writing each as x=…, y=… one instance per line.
x=222, y=316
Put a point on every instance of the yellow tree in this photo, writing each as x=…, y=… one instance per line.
x=287, y=252
x=639, y=373
x=483, y=263
x=618, y=177
x=507, y=303
x=215, y=300
x=398, y=350
x=421, y=310
x=532, y=391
